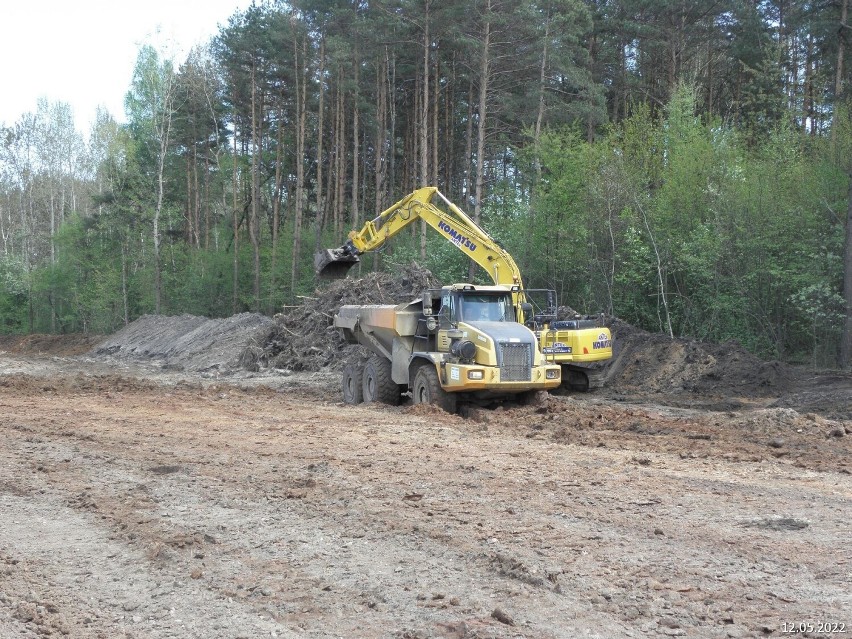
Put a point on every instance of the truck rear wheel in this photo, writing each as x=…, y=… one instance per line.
x=427, y=390
x=377, y=383
x=352, y=380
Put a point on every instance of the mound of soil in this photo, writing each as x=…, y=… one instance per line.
x=186, y=342
x=651, y=362
x=300, y=339
x=40, y=344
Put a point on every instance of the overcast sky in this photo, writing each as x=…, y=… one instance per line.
x=83, y=51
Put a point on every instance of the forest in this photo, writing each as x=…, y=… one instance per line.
x=684, y=165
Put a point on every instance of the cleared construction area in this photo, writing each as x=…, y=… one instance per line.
x=187, y=477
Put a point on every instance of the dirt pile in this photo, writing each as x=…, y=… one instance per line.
x=300, y=339
x=653, y=362
x=40, y=344
x=186, y=342
x=303, y=338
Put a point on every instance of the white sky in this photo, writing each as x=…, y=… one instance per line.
x=83, y=51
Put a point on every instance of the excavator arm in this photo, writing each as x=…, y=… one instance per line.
x=453, y=224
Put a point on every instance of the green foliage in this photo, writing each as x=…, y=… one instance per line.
x=678, y=221
x=552, y=240
x=13, y=295
x=668, y=217
x=446, y=262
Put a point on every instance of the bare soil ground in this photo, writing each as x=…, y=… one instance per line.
x=145, y=497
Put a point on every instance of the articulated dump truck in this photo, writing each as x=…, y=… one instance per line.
x=460, y=343
x=439, y=347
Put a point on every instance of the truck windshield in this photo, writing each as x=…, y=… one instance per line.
x=487, y=308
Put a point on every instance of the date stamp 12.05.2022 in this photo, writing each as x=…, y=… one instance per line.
x=821, y=627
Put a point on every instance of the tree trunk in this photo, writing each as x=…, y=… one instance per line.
x=392, y=135
x=808, y=107
x=436, y=98
x=206, y=202
x=846, y=338
x=301, y=97
x=423, y=177
x=277, y=195
x=124, y=283
x=468, y=148
x=542, y=76
x=841, y=52
x=355, y=213
x=320, y=203
x=163, y=126
x=380, y=169
x=236, y=269
x=480, y=134
x=340, y=159
x=197, y=200
x=254, y=221
x=51, y=295
x=449, y=139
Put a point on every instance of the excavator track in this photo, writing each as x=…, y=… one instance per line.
x=582, y=379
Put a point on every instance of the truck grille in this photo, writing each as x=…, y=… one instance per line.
x=516, y=362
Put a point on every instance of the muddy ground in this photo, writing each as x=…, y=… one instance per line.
x=141, y=497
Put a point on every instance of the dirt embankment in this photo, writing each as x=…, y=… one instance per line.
x=40, y=344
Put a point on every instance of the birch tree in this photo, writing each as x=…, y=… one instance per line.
x=150, y=105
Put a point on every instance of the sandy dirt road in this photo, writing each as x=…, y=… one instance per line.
x=145, y=506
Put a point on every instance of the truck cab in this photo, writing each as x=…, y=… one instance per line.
x=472, y=335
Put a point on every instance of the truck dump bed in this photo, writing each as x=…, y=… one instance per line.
x=377, y=325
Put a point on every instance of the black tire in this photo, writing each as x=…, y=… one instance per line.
x=427, y=390
x=377, y=384
x=352, y=390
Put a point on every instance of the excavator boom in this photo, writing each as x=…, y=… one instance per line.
x=453, y=224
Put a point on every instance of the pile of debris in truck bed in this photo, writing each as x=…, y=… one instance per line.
x=303, y=338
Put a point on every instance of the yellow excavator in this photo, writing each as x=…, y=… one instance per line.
x=573, y=343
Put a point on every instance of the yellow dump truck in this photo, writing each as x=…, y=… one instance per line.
x=460, y=343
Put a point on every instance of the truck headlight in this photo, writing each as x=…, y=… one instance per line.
x=475, y=375
x=553, y=373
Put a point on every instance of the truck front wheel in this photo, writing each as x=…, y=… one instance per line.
x=427, y=390
x=378, y=385
x=352, y=380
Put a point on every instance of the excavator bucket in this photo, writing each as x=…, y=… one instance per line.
x=333, y=264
